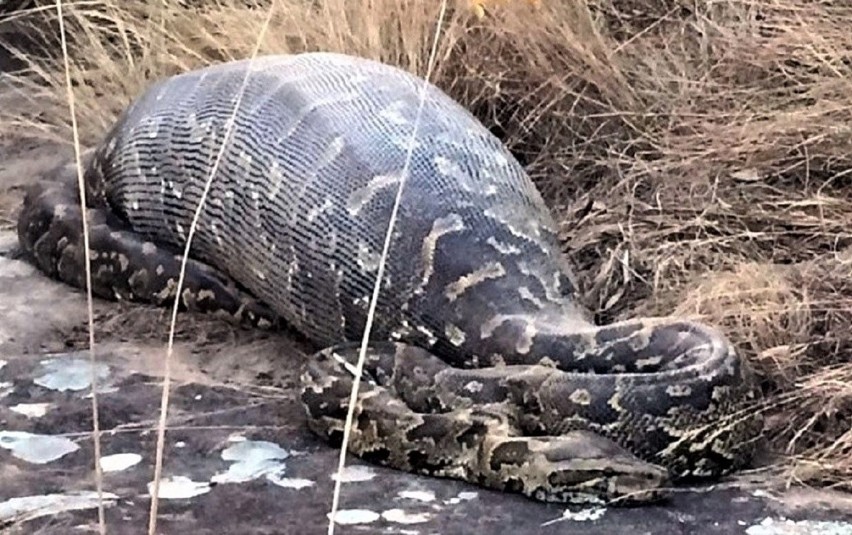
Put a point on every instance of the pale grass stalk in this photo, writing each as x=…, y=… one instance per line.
x=164, y=401
x=96, y=431
x=371, y=312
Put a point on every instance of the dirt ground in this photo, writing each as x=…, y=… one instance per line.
x=238, y=457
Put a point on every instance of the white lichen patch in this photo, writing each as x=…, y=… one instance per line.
x=355, y=473
x=3, y=364
x=784, y=526
x=36, y=449
x=179, y=488
x=400, y=516
x=119, y=462
x=462, y=497
x=418, y=495
x=64, y=373
x=252, y=459
x=31, y=410
x=354, y=516
x=101, y=390
x=583, y=515
x=26, y=508
x=290, y=482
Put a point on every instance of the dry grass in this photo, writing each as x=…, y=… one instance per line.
x=697, y=153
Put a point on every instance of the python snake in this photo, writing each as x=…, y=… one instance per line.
x=481, y=366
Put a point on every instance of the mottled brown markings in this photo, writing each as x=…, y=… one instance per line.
x=525, y=341
x=393, y=113
x=452, y=170
x=491, y=270
x=362, y=196
x=368, y=260
x=489, y=326
x=292, y=268
x=473, y=386
x=332, y=151
x=504, y=248
x=614, y=401
x=123, y=262
x=275, y=181
x=580, y=396
x=440, y=227
x=551, y=287
x=455, y=334
x=648, y=363
x=362, y=301
x=547, y=362
x=518, y=224
x=431, y=338
x=310, y=107
x=245, y=160
x=676, y=391
x=168, y=289
x=319, y=210
x=60, y=211
x=527, y=295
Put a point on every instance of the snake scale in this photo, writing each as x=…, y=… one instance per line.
x=481, y=365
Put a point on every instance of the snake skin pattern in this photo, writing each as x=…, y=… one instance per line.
x=481, y=366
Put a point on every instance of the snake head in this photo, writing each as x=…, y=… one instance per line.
x=578, y=467
x=613, y=481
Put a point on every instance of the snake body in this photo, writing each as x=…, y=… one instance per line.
x=481, y=366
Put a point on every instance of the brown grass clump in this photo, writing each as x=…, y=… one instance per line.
x=697, y=154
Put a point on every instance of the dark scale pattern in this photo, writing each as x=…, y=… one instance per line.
x=538, y=400
x=293, y=109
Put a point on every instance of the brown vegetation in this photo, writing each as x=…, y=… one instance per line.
x=697, y=153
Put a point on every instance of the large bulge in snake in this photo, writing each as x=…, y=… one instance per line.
x=301, y=160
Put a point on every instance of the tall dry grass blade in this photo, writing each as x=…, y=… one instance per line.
x=164, y=401
x=371, y=311
x=96, y=431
